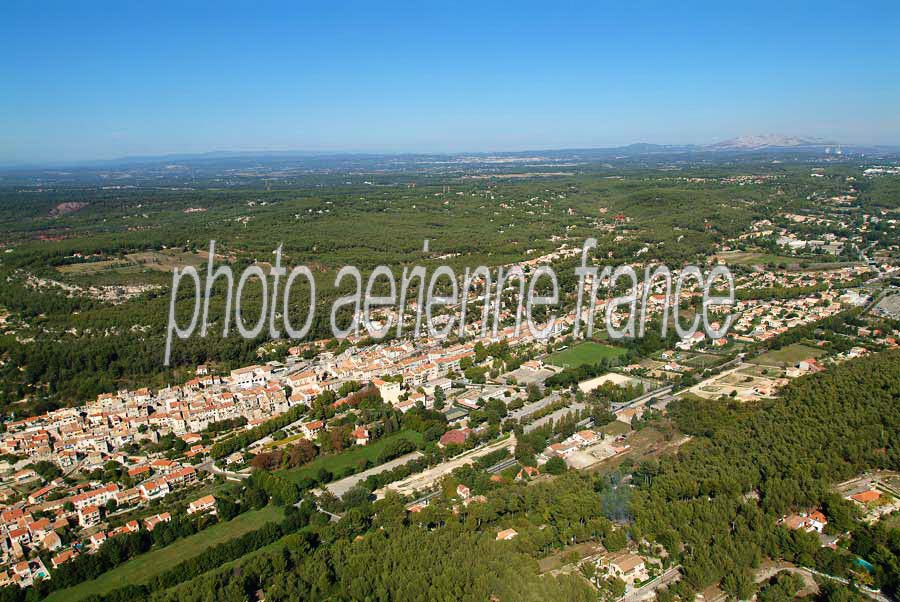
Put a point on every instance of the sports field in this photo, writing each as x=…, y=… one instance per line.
x=584, y=353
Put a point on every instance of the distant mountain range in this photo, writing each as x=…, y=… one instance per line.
x=741, y=143
x=746, y=146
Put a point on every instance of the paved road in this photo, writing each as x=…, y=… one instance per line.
x=499, y=467
x=808, y=575
x=426, y=479
x=209, y=466
x=503, y=465
x=648, y=590
x=874, y=594
x=529, y=409
x=575, y=407
x=339, y=488
x=864, y=257
x=642, y=398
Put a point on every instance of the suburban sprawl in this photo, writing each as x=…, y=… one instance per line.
x=494, y=464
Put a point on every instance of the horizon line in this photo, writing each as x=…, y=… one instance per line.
x=88, y=162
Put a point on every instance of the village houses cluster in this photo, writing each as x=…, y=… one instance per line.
x=35, y=511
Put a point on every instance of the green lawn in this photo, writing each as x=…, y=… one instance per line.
x=337, y=463
x=145, y=566
x=788, y=356
x=584, y=353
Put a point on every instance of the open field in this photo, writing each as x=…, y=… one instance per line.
x=788, y=356
x=92, y=267
x=584, y=353
x=556, y=560
x=704, y=360
x=751, y=258
x=614, y=429
x=795, y=263
x=337, y=463
x=752, y=369
x=745, y=382
x=145, y=566
x=167, y=259
x=615, y=378
x=160, y=261
x=644, y=444
x=762, y=385
x=285, y=441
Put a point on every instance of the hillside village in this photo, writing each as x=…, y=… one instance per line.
x=52, y=513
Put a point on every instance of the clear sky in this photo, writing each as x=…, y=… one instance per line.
x=86, y=80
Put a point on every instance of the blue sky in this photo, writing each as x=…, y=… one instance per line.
x=86, y=80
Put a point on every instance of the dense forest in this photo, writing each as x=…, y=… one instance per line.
x=789, y=452
x=72, y=346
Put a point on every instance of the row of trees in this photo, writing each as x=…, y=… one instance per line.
x=245, y=438
x=282, y=491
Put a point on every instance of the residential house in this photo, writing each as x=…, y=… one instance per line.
x=151, y=522
x=360, y=435
x=626, y=566
x=89, y=516
x=205, y=504
x=455, y=437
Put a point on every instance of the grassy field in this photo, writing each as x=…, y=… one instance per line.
x=562, y=557
x=807, y=262
x=788, y=356
x=751, y=258
x=162, y=261
x=337, y=463
x=92, y=266
x=614, y=429
x=583, y=353
x=145, y=566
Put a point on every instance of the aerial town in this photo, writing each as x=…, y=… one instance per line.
x=76, y=477
x=450, y=302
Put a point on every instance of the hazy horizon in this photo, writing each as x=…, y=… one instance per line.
x=252, y=152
